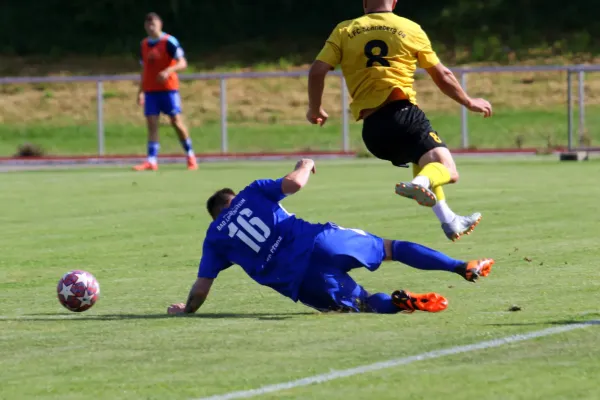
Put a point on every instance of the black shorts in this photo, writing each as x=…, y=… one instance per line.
x=400, y=133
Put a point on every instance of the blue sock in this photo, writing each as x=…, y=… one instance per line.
x=381, y=303
x=153, y=148
x=187, y=146
x=421, y=257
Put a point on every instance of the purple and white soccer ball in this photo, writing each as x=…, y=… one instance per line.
x=78, y=291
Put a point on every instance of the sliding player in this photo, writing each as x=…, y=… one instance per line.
x=309, y=262
x=378, y=53
x=162, y=57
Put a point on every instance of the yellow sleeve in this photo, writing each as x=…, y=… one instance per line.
x=425, y=54
x=331, y=53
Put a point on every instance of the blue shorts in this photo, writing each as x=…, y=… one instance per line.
x=327, y=286
x=168, y=103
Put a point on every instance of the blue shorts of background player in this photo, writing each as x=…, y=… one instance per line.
x=168, y=103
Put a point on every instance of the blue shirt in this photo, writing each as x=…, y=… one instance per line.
x=255, y=232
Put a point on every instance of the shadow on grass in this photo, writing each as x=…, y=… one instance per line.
x=562, y=322
x=122, y=317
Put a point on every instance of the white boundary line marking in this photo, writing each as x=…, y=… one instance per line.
x=245, y=394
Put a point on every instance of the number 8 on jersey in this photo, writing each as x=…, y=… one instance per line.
x=379, y=57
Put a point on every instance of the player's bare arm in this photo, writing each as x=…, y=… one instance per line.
x=316, y=85
x=449, y=85
x=140, y=93
x=179, y=66
x=196, y=298
x=298, y=178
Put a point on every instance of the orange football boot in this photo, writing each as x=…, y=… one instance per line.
x=472, y=270
x=192, y=164
x=410, y=302
x=146, y=166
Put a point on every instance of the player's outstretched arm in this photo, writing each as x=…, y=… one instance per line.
x=316, y=85
x=196, y=298
x=449, y=85
x=298, y=178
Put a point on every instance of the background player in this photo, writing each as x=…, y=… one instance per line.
x=378, y=53
x=305, y=261
x=162, y=57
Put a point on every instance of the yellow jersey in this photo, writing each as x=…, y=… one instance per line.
x=378, y=53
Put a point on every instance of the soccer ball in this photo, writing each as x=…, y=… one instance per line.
x=78, y=291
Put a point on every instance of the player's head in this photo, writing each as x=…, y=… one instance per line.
x=218, y=201
x=153, y=24
x=379, y=5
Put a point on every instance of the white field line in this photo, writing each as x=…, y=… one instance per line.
x=245, y=394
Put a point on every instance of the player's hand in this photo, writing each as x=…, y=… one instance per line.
x=480, y=106
x=318, y=116
x=175, y=309
x=308, y=164
x=163, y=76
x=140, y=99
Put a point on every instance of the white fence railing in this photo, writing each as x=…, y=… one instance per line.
x=462, y=73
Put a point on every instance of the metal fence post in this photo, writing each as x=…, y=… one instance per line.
x=224, y=139
x=570, y=109
x=581, y=107
x=100, y=116
x=464, y=127
x=345, y=119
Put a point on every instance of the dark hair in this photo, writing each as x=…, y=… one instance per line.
x=152, y=16
x=218, y=201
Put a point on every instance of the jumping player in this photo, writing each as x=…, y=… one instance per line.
x=161, y=58
x=305, y=261
x=378, y=53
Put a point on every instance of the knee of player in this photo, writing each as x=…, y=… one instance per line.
x=454, y=175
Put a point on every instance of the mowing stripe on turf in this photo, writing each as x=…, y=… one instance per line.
x=245, y=394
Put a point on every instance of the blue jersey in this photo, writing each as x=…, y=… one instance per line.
x=255, y=232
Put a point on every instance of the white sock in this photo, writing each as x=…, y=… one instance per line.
x=190, y=153
x=152, y=159
x=422, y=181
x=443, y=212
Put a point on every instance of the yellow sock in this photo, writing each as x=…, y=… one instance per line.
x=439, y=193
x=437, y=190
x=437, y=173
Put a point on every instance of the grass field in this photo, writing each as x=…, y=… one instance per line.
x=141, y=236
x=541, y=129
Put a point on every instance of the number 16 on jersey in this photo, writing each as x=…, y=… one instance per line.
x=249, y=228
